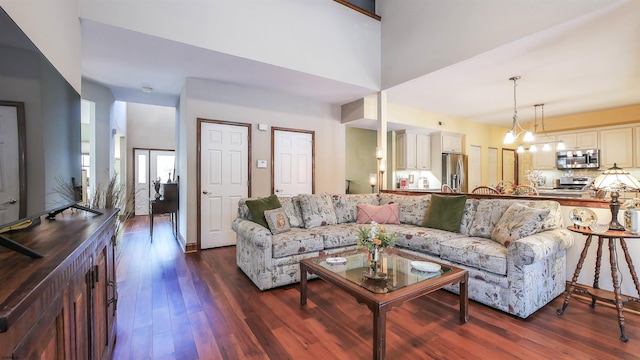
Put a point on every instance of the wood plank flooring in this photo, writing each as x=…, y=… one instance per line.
x=201, y=306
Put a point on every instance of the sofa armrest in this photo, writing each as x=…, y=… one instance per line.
x=247, y=229
x=538, y=246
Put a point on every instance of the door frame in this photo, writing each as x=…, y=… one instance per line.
x=515, y=164
x=22, y=159
x=313, y=155
x=133, y=172
x=200, y=121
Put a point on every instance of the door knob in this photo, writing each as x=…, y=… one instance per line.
x=10, y=202
x=278, y=190
x=205, y=192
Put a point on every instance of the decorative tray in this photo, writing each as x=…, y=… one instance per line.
x=425, y=266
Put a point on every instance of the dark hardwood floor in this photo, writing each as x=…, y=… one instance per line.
x=201, y=306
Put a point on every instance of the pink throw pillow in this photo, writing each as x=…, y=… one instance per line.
x=383, y=214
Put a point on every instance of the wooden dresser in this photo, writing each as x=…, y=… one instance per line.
x=62, y=306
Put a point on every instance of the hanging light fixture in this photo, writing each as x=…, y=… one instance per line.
x=546, y=144
x=516, y=128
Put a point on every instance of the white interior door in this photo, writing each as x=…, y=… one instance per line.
x=224, y=180
x=509, y=165
x=9, y=172
x=142, y=181
x=151, y=165
x=292, y=162
x=493, y=166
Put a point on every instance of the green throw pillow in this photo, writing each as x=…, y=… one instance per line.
x=445, y=212
x=257, y=208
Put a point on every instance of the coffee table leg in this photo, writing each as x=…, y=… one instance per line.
x=379, y=333
x=464, y=299
x=303, y=284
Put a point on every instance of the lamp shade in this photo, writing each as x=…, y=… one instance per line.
x=615, y=179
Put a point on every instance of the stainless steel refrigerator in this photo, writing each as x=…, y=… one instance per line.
x=454, y=171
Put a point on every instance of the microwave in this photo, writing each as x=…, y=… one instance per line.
x=578, y=159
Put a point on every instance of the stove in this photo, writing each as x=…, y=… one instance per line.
x=573, y=183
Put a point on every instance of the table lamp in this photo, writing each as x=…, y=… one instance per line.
x=614, y=180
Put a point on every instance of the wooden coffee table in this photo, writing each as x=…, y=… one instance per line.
x=403, y=283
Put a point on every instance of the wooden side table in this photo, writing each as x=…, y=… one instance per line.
x=597, y=294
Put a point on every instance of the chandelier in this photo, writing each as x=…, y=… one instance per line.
x=516, y=128
x=547, y=140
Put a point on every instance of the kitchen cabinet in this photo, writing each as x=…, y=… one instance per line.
x=544, y=160
x=451, y=143
x=580, y=140
x=616, y=146
x=412, y=151
x=61, y=306
x=636, y=146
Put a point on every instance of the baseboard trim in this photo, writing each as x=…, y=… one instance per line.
x=581, y=291
x=191, y=248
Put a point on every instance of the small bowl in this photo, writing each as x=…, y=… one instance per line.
x=599, y=227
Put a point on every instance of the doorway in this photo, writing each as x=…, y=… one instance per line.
x=509, y=166
x=223, y=179
x=293, y=168
x=151, y=165
x=13, y=185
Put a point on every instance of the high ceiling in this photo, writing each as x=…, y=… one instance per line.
x=589, y=63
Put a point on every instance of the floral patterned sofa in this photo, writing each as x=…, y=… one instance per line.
x=518, y=278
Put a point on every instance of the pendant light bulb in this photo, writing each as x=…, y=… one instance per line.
x=560, y=146
x=533, y=148
x=546, y=147
x=509, y=138
x=528, y=137
x=520, y=149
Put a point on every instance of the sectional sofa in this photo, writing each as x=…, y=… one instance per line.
x=515, y=254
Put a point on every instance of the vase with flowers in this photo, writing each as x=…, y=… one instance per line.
x=375, y=238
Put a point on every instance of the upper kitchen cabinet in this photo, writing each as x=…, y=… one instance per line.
x=616, y=146
x=450, y=142
x=636, y=146
x=412, y=151
x=544, y=160
x=581, y=140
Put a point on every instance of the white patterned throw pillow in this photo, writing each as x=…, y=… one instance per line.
x=317, y=210
x=517, y=222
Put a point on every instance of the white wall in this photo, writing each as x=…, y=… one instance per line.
x=322, y=38
x=103, y=99
x=419, y=37
x=216, y=101
x=54, y=27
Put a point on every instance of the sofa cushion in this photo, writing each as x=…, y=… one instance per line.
x=277, y=220
x=382, y=214
x=340, y=235
x=296, y=241
x=345, y=205
x=487, y=216
x=421, y=239
x=257, y=207
x=291, y=206
x=480, y=253
x=317, y=210
x=411, y=208
x=517, y=222
x=467, y=215
x=445, y=212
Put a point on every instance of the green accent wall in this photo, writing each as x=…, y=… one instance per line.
x=360, y=158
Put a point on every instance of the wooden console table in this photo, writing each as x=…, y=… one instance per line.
x=596, y=294
x=63, y=305
x=167, y=204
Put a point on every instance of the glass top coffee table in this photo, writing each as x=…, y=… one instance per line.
x=402, y=283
